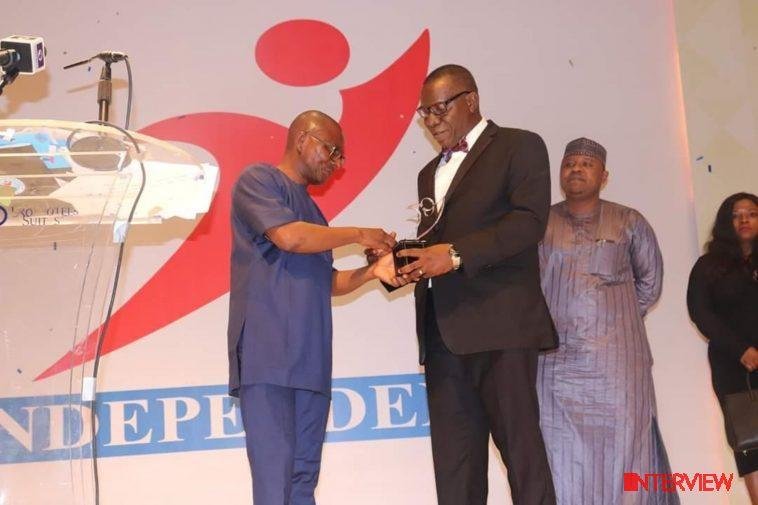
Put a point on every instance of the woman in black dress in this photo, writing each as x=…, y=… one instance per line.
x=723, y=302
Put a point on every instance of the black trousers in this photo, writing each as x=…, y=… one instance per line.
x=475, y=395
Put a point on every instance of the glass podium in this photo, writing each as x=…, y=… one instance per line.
x=68, y=194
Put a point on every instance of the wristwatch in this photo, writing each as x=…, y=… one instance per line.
x=455, y=256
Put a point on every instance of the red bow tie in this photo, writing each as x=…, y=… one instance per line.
x=462, y=145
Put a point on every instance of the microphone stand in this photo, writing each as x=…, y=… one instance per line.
x=104, y=93
x=105, y=85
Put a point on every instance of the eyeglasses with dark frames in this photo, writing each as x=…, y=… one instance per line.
x=440, y=108
x=335, y=153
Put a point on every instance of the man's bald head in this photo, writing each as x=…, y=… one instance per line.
x=314, y=148
x=455, y=73
x=310, y=120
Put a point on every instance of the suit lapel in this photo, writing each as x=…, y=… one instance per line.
x=478, y=148
x=426, y=190
x=426, y=180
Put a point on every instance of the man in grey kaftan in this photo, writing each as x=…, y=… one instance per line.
x=601, y=272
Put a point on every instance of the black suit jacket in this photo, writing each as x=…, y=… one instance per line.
x=495, y=214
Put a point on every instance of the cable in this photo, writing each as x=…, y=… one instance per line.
x=104, y=326
x=129, y=93
x=110, y=57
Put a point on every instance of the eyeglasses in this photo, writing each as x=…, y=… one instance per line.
x=440, y=108
x=335, y=153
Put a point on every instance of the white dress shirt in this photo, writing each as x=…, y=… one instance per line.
x=445, y=172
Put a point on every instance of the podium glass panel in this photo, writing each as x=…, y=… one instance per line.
x=67, y=194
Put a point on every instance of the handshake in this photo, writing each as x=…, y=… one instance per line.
x=398, y=263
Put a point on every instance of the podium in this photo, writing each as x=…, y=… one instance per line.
x=68, y=194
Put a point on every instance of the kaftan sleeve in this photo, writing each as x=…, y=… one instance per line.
x=647, y=263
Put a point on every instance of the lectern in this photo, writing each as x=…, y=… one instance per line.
x=69, y=192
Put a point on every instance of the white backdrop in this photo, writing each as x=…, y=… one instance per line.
x=606, y=70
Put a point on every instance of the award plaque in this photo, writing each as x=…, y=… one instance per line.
x=412, y=243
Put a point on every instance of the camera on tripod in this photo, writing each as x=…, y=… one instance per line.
x=24, y=53
x=20, y=54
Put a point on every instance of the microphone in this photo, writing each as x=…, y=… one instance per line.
x=107, y=56
x=112, y=56
x=105, y=87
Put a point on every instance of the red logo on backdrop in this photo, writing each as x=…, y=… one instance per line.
x=673, y=482
x=375, y=116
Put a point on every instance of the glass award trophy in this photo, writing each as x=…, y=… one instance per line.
x=425, y=209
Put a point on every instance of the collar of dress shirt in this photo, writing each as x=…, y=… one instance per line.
x=475, y=132
x=471, y=137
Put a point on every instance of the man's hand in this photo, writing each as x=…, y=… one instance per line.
x=749, y=359
x=430, y=262
x=377, y=239
x=384, y=269
x=373, y=255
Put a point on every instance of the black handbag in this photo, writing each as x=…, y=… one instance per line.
x=741, y=418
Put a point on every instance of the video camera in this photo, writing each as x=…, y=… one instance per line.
x=23, y=53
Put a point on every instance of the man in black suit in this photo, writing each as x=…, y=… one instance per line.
x=481, y=316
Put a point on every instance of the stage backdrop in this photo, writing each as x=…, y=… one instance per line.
x=225, y=79
x=718, y=50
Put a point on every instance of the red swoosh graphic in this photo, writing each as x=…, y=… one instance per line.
x=375, y=117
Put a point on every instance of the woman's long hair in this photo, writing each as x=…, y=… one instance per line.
x=724, y=245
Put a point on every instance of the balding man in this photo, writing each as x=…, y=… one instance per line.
x=280, y=321
x=483, y=319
